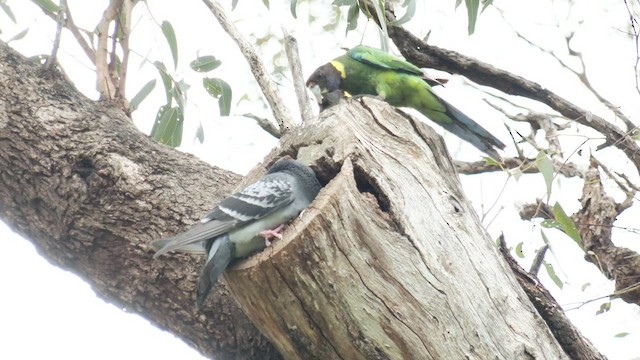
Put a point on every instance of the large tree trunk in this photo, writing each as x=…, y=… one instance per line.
x=90, y=191
x=390, y=261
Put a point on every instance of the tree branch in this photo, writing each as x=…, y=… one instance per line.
x=291, y=48
x=269, y=89
x=421, y=54
x=527, y=166
x=90, y=191
x=60, y=20
x=106, y=83
x=574, y=344
x=595, y=223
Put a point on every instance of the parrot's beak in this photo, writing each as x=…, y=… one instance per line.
x=317, y=92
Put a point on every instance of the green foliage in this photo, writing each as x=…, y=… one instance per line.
x=47, y=5
x=473, y=7
x=170, y=36
x=563, y=222
x=472, y=14
x=142, y=94
x=545, y=165
x=352, y=18
x=19, y=35
x=491, y=161
x=605, y=307
x=168, y=126
x=293, y=8
x=519, y=250
x=408, y=15
x=7, y=11
x=220, y=90
x=567, y=225
x=552, y=274
x=205, y=63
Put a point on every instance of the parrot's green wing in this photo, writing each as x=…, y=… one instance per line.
x=381, y=59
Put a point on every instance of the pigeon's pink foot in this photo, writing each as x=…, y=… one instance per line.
x=269, y=234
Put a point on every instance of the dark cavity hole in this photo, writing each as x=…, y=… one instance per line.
x=367, y=184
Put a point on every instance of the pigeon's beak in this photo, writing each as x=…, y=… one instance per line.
x=317, y=92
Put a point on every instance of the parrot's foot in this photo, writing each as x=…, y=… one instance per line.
x=270, y=234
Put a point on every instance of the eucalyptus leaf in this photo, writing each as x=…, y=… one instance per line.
x=168, y=126
x=545, y=165
x=220, y=90
x=142, y=94
x=408, y=15
x=7, y=11
x=205, y=63
x=568, y=225
x=172, y=41
x=19, y=35
x=167, y=81
x=552, y=274
x=472, y=14
x=47, y=5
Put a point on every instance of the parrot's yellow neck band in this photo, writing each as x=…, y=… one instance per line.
x=340, y=68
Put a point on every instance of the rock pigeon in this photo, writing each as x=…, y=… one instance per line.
x=242, y=223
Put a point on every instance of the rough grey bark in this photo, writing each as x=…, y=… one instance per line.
x=90, y=191
x=390, y=261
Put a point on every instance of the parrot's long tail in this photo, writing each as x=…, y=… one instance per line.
x=470, y=131
x=219, y=258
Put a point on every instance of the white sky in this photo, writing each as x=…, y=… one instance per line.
x=48, y=312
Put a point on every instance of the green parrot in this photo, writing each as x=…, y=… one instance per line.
x=367, y=71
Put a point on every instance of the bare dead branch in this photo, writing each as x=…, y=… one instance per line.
x=595, y=222
x=527, y=166
x=573, y=343
x=537, y=210
x=537, y=260
x=550, y=129
x=69, y=24
x=635, y=27
x=266, y=125
x=51, y=60
x=291, y=48
x=581, y=75
x=424, y=55
x=268, y=87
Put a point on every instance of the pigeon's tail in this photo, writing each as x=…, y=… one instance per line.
x=219, y=258
x=466, y=129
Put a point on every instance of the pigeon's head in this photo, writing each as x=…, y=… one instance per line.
x=300, y=171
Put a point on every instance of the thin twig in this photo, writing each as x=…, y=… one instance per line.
x=69, y=24
x=581, y=75
x=51, y=60
x=124, y=23
x=267, y=86
x=266, y=125
x=636, y=35
x=291, y=48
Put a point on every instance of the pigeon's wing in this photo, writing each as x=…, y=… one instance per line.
x=269, y=194
x=380, y=59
